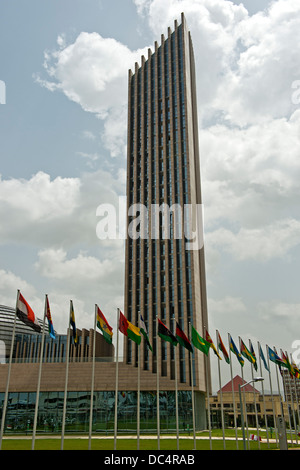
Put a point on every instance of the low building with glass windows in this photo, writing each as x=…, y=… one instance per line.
x=24, y=379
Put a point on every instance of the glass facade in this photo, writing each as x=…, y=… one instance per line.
x=21, y=406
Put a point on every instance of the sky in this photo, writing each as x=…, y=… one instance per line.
x=63, y=120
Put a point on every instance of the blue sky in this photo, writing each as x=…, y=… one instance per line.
x=63, y=152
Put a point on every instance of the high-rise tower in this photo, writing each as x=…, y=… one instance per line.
x=163, y=277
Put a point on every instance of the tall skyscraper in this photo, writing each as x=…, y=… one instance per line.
x=164, y=274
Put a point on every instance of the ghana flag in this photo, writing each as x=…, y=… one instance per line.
x=128, y=329
x=166, y=334
x=182, y=339
x=104, y=326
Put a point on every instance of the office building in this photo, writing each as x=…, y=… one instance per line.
x=165, y=275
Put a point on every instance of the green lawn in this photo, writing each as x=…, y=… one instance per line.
x=123, y=443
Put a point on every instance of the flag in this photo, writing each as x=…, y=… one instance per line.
x=210, y=341
x=166, y=334
x=128, y=329
x=199, y=342
x=49, y=318
x=235, y=351
x=223, y=349
x=253, y=355
x=144, y=332
x=104, y=326
x=274, y=357
x=245, y=352
x=26, y=314
x=287, y=364
x=73, y=325
x=263, y=358
x=182, y=339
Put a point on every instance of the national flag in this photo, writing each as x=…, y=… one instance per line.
x=73, y=324
x=144, y=332
x=296, y=371
x=287, y=364
x=199, y=342
x=182, y=339
x=263, y=358
x=274, y=357
x=26, y=314
x=49, y=318
x=128, y=329
x=223, y=349
x=245, y=352
x=235, y=351
x=253, y=355
x=104, y=326
x=210, y=341
x=165, y=334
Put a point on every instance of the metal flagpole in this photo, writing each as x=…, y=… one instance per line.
x=8, y=374
x=193, y=398
x=138, y=390
x=254, y=399
x=292, y=402
x=221, y=396
x=245, y=404
x=296, y=395
x=157, y=389
x=273, y=404
x=263, y=392
x=176, y=390
x=93, y=380
x=39, y=378
x=233, y=396
x=207, y=393
x=117, y=378
x=283, y=386
x=66, y=381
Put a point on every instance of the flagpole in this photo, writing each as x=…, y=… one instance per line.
x=233, y=395
x=271, y=388
x=254, y=397
x=93, y=379
x=39, y=378
x=66, y=381
x=287, y=402
x=296, y=395
x=244, y=400
x=263, y=392
x=117, y=378
x=157, y=389
x=207, y=393
x=176, y=389
x=138, y=391
x=221, y=396
x=193, y=398
x=8, y=373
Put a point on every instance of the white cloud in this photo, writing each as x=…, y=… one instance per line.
x=93, y=72
x=59, y=212
x=259, y=244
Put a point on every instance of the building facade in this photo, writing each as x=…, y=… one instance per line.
x=165, y=273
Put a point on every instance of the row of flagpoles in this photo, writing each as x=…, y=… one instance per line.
x=135, y=333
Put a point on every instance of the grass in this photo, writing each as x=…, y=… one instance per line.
x=130, y=443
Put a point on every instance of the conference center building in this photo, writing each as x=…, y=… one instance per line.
x=164, y=279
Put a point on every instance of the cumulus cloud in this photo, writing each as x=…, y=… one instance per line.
x=93, y=72
x=61, y=211
x=260, y=244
